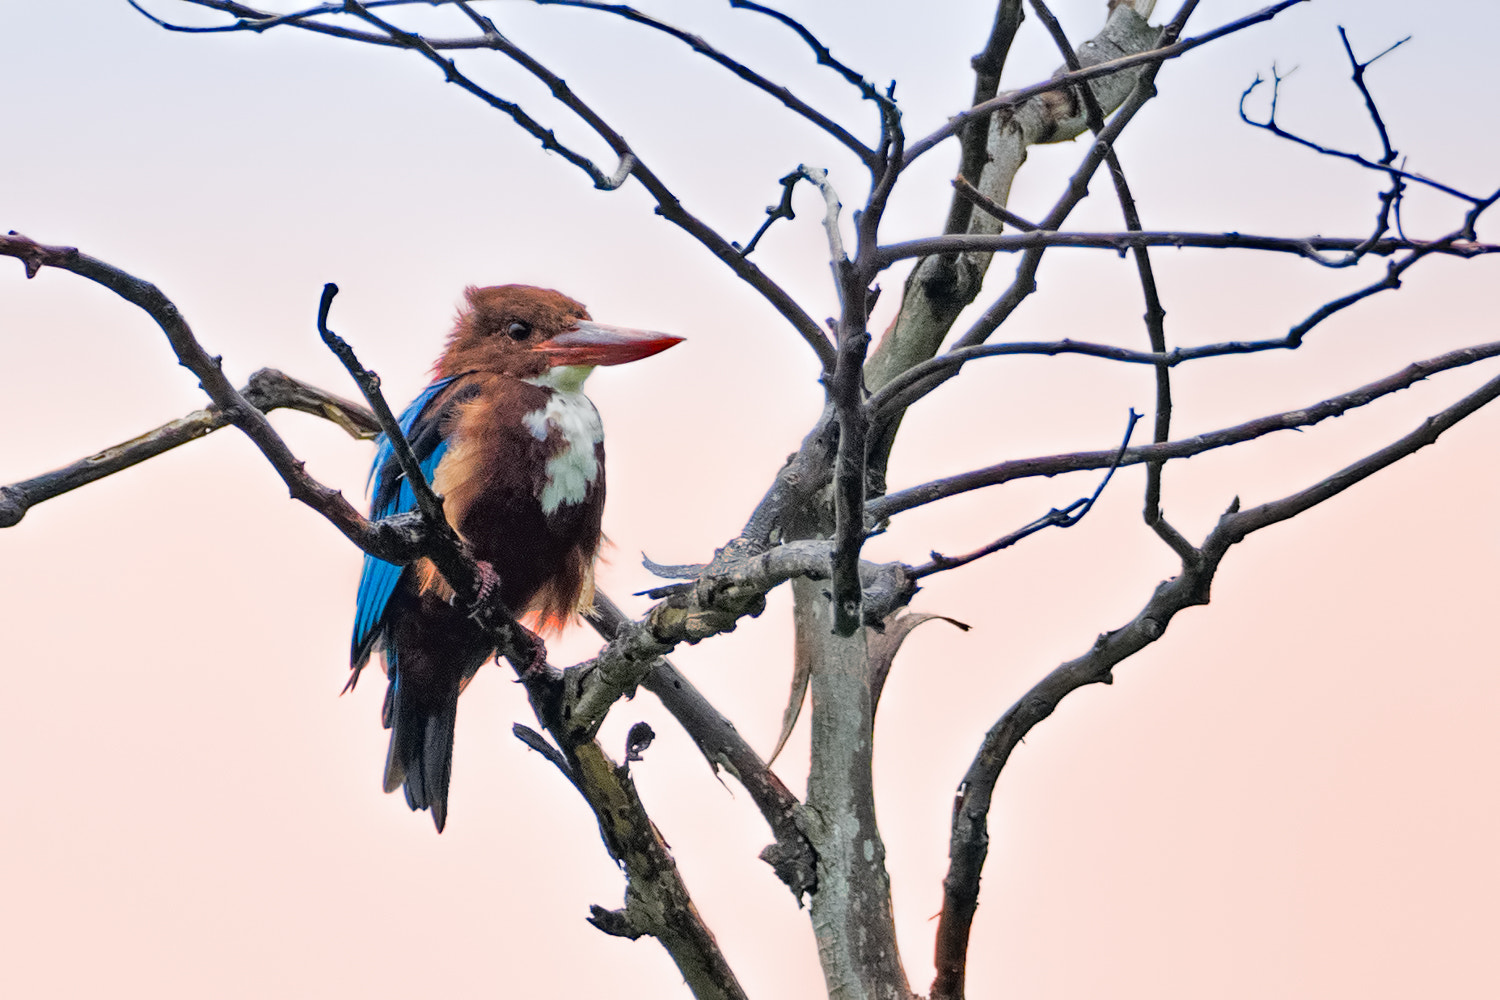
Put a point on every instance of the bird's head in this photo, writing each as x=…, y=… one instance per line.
x=525, y=332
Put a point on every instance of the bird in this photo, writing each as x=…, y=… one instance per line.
x=506, y=436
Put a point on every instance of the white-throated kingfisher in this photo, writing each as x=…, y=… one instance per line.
x=506, y=436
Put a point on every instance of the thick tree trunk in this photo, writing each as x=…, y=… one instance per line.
x=851, y=911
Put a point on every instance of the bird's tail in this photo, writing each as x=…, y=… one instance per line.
x=421, y=752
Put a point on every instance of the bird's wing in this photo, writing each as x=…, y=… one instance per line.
x=422, y=424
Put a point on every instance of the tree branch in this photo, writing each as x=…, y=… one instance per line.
x=969, y=842
x=790, y=100
x=668, y=206
x=1156, y=56
x=236, y=409
x=656, y=898
x=267, y=390
x=1064, y=517
x=883, y=507
x=988, y=65
x=791, y=856
x=712, y=604
x=1121, y=242
x=1270, y=125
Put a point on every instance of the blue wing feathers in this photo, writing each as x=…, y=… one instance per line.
x=392, y=494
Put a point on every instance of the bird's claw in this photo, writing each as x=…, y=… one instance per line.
x=488, y=581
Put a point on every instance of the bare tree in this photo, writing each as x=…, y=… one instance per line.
x=835, y=493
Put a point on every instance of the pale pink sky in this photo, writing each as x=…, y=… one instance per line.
x=1293, y=794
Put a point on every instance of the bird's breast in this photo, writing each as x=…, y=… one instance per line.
x=570, y=432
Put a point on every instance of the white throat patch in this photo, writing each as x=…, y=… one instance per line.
x=575, y=467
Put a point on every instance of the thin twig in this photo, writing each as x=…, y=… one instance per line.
x=428, y=503
x=823, y=54
x=790, y=100
x=1043, y=238
x=973, y=196
x=1064, y=517
x=1270, y=125
x=781, y=210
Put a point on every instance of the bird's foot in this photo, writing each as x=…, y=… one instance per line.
x=528, y=656
x=537, y=660
x=489, y=581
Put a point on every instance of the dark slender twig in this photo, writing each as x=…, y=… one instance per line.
x=536, y=741
x=1121, y=242
x=783, y=210
x=1064, y=517
x=880, y=508
x=824, y=56
x=973, y=196
x=969, y=842
x=750, y=76
x=428, y=503
x=1270, y=125
x=1150, y=57
x=516, y=113
x=254, y=20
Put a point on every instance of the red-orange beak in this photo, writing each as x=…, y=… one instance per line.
x=591, y=343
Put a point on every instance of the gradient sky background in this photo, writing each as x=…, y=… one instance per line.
x=1293, y=794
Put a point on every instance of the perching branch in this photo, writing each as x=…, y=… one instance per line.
x=712, y=604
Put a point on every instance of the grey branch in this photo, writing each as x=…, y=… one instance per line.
x=267, y=390
x=1152, y=56
x=1303, y=246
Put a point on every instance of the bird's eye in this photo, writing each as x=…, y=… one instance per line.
x=519, y=330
